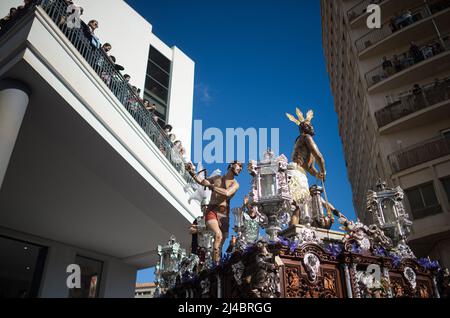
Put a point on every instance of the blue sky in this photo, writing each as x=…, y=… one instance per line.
x=256, y=60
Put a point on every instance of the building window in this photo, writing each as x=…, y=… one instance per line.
x=446, y=184
x=21, y=267
x=91, y=272
x=157, y=81
x=423, y=201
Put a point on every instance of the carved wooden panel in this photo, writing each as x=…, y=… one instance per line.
x=297, y=284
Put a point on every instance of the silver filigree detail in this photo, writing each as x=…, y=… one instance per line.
x=410, y=276
x=312, y=264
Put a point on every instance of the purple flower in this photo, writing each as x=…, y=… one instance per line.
x=379, y=251
x=293, y=246
x=428, y=264
x=334, y=249
x=396, y=260
x=283, y=241
x=356, y=249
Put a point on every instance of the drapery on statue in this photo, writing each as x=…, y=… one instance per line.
x=217, y=212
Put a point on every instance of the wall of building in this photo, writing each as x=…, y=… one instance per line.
x=125, y=30
x=366, y=146
x=117, y=281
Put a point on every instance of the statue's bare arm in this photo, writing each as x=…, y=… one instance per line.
x=203, y=182
x=228, y=193
x=317, y=155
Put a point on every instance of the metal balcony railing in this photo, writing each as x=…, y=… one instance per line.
x=360, y=8
x=420, y=153
x=107, y=71
x=411, y=102
x=408, y=59
x=397, y=23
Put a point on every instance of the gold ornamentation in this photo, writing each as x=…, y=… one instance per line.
x=301, y=119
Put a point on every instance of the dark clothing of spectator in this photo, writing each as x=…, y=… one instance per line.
x=416, y=53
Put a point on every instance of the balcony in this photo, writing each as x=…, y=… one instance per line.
x=420, y=153
x=360, y=9
x=96, y=171
x=109, y=73
x=426, y=60
x=357, y=15
x=398, y=31
x=413, y=109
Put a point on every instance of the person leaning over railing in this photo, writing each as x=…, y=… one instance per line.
x=89, y=33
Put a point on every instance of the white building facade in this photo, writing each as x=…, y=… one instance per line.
x=87, y=176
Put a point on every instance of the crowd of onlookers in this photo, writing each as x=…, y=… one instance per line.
x=419, y=97
x=15, y=14
x=415, y=54
x=109, y=71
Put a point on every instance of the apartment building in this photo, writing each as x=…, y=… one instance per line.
x=391, y=88
x=87, y=176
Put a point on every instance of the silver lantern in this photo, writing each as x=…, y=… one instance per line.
x=205, y=242
x=168, y=268
x=270, y=192
x=388, y=212
x=246, y=228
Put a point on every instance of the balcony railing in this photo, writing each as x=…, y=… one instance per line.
x=411, y=102
x=420, y=153
x=408, y=59
x=360, y=8
x=397, y=23
x=107, y=71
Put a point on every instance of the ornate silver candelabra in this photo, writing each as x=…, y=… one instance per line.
x=270, y=192
x=388, y=212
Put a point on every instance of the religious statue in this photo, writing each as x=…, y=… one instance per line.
x=305, y=156
x=217, y=212
x=306, y=152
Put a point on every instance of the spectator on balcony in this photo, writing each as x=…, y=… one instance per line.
x=406, y=19
x=89, y=33
x=393, y=23
x=26, y=5
x=151, y=108
x=398, y=65
x=106, y=48
x=419, y=101
x=437, y=47
x=102, y=65
x=127, y=78
x=9, y=18
x=417, y=90
x=168, y=129
x=388, y=67
x=415, y=53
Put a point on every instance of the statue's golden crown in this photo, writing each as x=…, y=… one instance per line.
x=301, y=119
